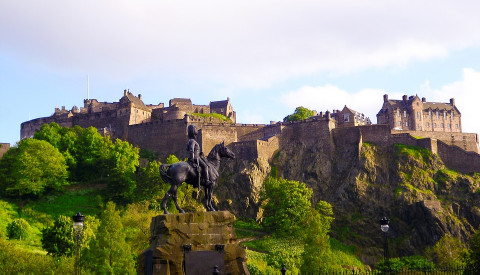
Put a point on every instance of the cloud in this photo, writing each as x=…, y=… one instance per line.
x=244, y=43
x=466, y=94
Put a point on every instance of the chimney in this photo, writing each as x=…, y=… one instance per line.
x=63, y=107
x=327, y=114
x=385, y=97
x=125, y=92
x=452, y=101
x=140, y=96
x=424, y=99
x=404, y=97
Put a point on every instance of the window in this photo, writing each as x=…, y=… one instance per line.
x=442, y=125
x=452, y=116
x=418, y=114
x=449, y=126
x=346, y=118
x=430, y=113
x=399, y=123
x=398, y=112
x=404, y=113
x=406, y=123
x=428, y=124
x=437, y=115
x=456, y=126
x=444, y=115
x=434, y=125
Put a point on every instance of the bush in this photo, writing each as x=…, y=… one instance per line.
x=18, y=229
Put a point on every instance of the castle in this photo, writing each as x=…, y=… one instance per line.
x=163, y=129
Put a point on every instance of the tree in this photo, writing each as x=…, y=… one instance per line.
x=122, y=164
x=448, y=251
x=301, y=113
x=317, y=245
x=31, y=168
x=474, y=252
x=18, y=229
x=286, y=205
x=59, y=239
x=109, y=253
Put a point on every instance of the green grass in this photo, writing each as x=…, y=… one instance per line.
x=416, y=152
x=249, y=224
x=214, y=115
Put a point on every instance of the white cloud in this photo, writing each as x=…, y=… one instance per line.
x=467, y=95
x=246, y=43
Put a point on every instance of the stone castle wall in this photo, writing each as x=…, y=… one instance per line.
x=4, y=147
x=458, y=159
x=466, y=141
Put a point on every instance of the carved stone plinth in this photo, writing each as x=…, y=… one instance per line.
x=204, y=231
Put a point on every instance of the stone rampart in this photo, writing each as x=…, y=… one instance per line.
x=466, y=141
x=210, y=135
x=376, y=134
x=4, y=147
x=458, y=159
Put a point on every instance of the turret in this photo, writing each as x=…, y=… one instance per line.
x=452, y=101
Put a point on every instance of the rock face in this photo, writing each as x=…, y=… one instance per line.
x=364, y=182
x=203, y=231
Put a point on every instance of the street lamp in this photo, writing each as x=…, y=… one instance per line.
x=77, y=228
x=384, y=227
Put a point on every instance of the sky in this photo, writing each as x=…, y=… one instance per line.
x=268, y=57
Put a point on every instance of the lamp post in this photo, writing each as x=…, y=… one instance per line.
x=77, y=228
x=384, y=227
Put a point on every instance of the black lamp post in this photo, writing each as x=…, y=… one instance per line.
x=384, y=227
x=77, y=228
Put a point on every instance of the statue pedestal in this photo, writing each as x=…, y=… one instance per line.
x=175, y=235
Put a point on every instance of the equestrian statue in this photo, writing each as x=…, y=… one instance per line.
x=197, y=171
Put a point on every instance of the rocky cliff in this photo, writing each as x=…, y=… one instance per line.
x=410, y=185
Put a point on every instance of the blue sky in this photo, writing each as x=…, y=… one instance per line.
x=267, y=56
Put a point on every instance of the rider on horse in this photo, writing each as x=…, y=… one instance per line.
x=194, y=157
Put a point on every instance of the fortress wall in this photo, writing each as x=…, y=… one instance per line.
x=258, y=132
x=344, y=138
x=457, y=159
x=164, y=138
x=28, y=128
x=376, y=134
x=209, y=136
x=266, y=149
x=105, y=119
x=407, y=139
x=4, y=147
x=244, y=129
x=467, y=141
x=245, y=150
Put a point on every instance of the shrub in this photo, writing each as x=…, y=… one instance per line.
x=18, y=229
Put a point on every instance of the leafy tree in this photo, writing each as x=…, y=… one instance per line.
x=136, y=219
x=59, y=239
x=301, y=113
x=474, y=252
x=149, y=183
x=448, y=251
x=18, y=229
x=109, y=253
x=286, y=206
x=122, y=166
x=32, y=167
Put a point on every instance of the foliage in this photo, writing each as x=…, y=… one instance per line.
x=415, y=152
x=474, y=251
x=136, y=220
x=31, y=168
x=409, y=262
x=171, y=159
x=301, y=113
x=149, y=183
x=7, y=212
x=109, y=252
x=448, y=251
x=59, y=239
x=19, y=261
x=248, y=224
x=286, y=206
x=147, y=154
x=18, y=229
x=214, y=115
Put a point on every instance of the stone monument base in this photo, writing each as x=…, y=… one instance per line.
x=176, y=235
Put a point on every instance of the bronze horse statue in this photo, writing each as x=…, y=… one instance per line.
x=180, y=172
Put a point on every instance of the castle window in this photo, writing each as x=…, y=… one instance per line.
x=418, y=114
x=456, y=126
x=452, y=116
x=444, y=115
x=406, y=123
x=430, y=113
x=442, y=125
x=437, y=115
x=450, y=126
x=346, y=118
x=428, y=125
x=404, y=113
x=434, y=125
x=398, y=112
x=399, y=123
